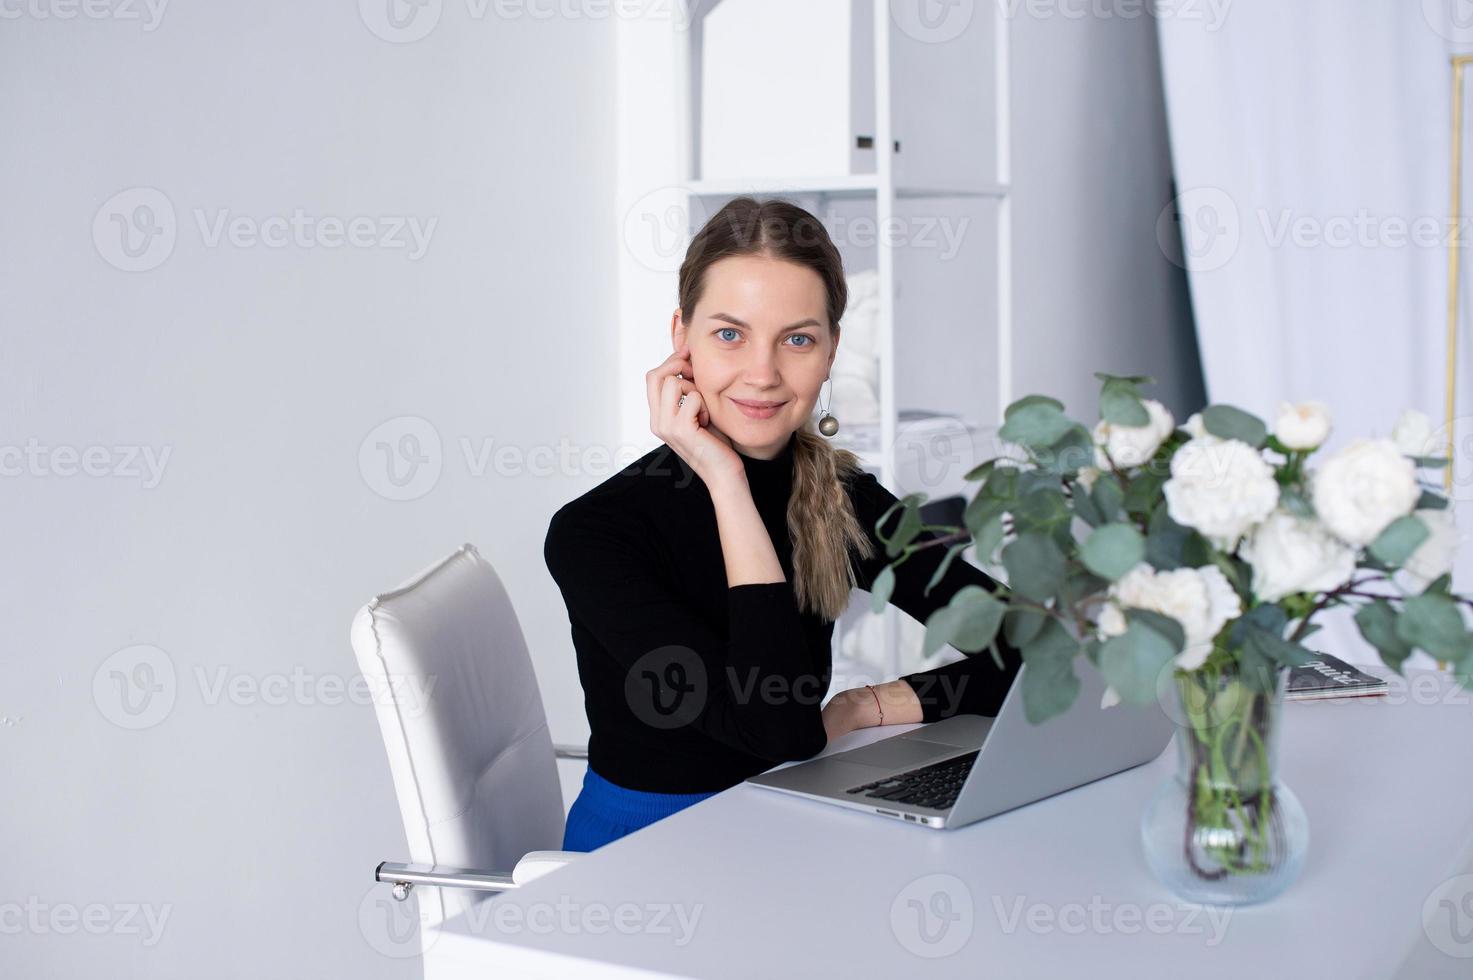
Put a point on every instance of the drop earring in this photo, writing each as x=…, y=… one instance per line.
x=827, y=424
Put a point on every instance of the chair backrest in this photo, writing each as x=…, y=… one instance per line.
x=462, y=720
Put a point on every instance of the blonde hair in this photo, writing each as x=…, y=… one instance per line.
x=821, y=521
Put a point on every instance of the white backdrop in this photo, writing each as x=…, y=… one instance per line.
x=1311, y=150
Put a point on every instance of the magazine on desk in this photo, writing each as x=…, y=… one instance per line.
x=1330, y=677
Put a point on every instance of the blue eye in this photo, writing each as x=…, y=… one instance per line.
x=803, y=336
x=724, y=330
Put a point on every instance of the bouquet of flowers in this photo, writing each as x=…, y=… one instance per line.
x=1192, y=561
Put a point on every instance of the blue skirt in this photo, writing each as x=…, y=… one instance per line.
x=606, y=811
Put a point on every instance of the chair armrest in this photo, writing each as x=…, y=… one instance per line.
x=563, y=751
x=535, y=864
x=405, y=876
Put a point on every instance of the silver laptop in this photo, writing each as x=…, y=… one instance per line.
x=966, y=768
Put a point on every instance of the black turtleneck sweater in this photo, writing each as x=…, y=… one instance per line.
x=692, y=685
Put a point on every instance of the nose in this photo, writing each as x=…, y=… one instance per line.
x=761, y=369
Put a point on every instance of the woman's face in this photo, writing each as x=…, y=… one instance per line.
x=760, y=348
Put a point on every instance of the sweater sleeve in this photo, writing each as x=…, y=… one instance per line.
x=973, y=685
x=753, y=689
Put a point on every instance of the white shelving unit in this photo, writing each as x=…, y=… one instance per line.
x=944, y=322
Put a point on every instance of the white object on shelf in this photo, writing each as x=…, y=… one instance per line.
x=854, y=395
x=784, y=90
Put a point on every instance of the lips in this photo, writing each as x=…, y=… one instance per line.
x=757, y=409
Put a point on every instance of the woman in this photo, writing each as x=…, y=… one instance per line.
x=703, y=581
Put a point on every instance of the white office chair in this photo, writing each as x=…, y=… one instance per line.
x=474, y=767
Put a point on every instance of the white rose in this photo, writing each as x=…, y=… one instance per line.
x=1302, y=426
x=1293, y=554
x=1133, y=445
x=1363, y=488
x=1111, y=622
x=1196, y=428
x=1200, y=599
x=1220, y=487
x=1413, y=434
x=1433, y=557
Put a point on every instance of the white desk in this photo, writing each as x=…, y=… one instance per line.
x=774, y=886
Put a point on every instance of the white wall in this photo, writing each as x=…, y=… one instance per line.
x=260, y=371
x=1093, y=290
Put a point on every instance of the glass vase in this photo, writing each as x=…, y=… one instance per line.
x=1224, y=830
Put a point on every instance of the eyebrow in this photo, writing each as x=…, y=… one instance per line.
x=810, y=322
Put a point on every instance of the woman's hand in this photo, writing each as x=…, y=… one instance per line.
x=686, y=427
x=840, y=716
x=859, y=707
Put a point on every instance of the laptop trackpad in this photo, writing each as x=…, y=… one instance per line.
x=896, y=753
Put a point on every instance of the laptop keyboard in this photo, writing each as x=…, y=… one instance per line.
x=936, y=786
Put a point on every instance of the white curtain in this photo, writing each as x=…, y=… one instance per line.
x=1310, y=141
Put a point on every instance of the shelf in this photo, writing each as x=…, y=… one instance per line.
x=854, y=185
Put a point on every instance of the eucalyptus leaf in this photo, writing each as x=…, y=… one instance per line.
x=1143, y=493
x=1431, y=501
x=968, y=622
x=980, y=471
x=1432, y=622
x=1073, y=450
x=1108, y=496
x=1036, y=425
x=1293, y=501
x=1441, y=584
x=1376, y=621
x=1120, y=404
x=1274, y=647
x=1168, y=627
x=881, y=589
x=910, y=525
x=1113, y=550
x=951, y=552
x=1049, y=682
x=1020, y=626
x=1401, y=537
x=987, y=538
x=1031, y=400
x=1042, y=509
x=1035, y=565
x=1227, y=422
x=1132, y=662
x=1085, y=506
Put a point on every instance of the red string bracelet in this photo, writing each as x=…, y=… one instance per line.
x=877, y=702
